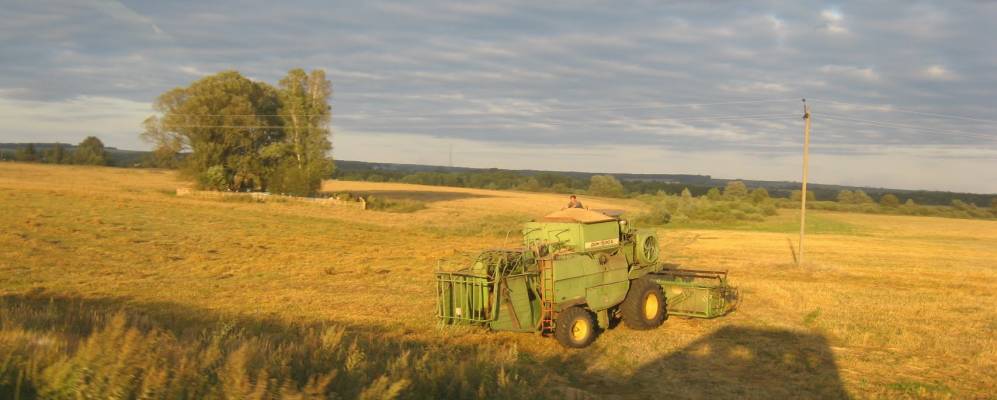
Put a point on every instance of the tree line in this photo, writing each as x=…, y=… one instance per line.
x=734, y=201
x=610, y=186
x=231, y=133
x=90, y=151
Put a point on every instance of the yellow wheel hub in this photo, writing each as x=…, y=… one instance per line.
x=580, y=330
x=650, y=306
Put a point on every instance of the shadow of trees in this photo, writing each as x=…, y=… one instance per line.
x=163, y=349
x=69, y=347
x=425, y=196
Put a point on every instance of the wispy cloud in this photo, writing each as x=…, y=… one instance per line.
x=532, y=77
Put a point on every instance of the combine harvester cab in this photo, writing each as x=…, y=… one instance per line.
x=577, y=271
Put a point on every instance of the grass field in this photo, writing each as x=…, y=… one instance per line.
x=111, y=285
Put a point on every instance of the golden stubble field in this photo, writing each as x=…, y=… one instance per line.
x=887, y=307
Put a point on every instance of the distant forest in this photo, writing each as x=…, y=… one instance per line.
x=633, y=185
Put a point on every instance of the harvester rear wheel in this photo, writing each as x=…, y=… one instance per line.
x=644, y=306
x=575, y=328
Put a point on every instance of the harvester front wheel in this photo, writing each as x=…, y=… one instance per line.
x=644, y=306
x=575, y=328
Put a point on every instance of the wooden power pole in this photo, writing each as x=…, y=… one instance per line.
x=806, y=164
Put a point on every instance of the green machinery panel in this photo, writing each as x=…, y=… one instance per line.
x=519, y=308
x=694, y=293
x=574, y=236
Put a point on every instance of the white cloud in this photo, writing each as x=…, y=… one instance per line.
x=192, y=70
x=866, y=74
x=756, y=87
x=493, y=72
x=833, y=21
x=938, y=73
x=115, y=121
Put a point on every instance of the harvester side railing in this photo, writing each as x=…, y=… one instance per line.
x=466, y=297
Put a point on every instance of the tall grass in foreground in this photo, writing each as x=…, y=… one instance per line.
x=69, y=348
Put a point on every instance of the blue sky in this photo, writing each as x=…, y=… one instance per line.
x=902, y=92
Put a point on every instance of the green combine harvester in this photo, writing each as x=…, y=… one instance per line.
x=578, y=271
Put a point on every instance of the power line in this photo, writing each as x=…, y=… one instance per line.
x=526, y=124
x=514, y=113
x=556, y=110
x=887, y=124
x=891, y=108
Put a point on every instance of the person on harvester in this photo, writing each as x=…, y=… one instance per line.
x=574, y=203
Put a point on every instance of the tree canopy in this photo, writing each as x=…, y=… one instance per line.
x=90, y=152
x=245, y=135
x=26, y=153
x=605, y=185
x=735, y=190
x=889, y=200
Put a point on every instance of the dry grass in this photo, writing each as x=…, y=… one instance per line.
x=887, y=306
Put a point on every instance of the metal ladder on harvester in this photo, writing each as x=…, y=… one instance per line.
x=546, y=275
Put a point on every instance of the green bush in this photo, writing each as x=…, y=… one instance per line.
x=606, y=186
x=889, y=200
x=292, y=180
x=666, y=208
x=658, y=215
x=214, y=178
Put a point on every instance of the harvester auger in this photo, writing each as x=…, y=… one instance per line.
x=578, y=270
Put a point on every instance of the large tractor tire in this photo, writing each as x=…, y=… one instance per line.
x=644, y=306
x=575, y=328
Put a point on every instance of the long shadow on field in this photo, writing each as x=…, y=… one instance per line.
x=54, y=346
x=742, y=363
x=63, y=346
x=427, y=196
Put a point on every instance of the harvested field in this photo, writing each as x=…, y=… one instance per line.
x=887, y=306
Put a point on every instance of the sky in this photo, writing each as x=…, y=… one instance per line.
x=901, y=92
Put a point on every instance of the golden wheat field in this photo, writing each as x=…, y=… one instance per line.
x=107, y=270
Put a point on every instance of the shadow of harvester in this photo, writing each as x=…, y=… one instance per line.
x=53, y=344
x=740, y=363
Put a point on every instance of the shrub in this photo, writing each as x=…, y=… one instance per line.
x=292, y=180
x=735, y=190
x=214, y=178
x=605, y=185
x=669, y=208
x=859, y=197
x=759, y=195
x=26, y=153
x=889, y=200
x=658, y=215
x=795, y=196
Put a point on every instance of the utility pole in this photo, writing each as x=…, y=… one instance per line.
x=806, y=162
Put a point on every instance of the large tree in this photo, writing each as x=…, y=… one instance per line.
x=230, y=126
x=247, y=135
x=305, y=111
x=56, y=155
x=90, y=152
